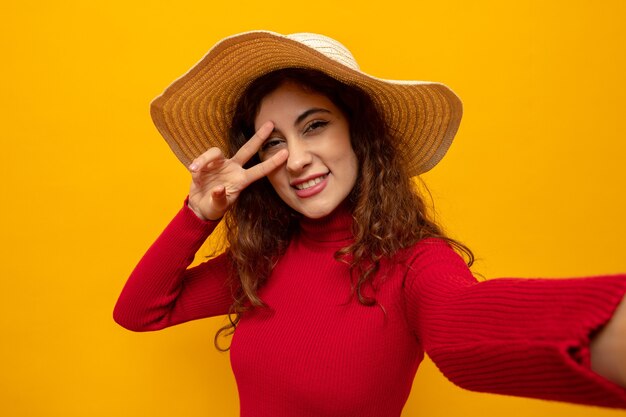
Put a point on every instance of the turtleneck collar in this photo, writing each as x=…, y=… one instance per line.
x=336, y=227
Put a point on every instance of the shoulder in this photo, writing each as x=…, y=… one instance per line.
x=432, y=250
x=435, y=260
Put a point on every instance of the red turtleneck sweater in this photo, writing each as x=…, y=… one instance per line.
x=315, y=351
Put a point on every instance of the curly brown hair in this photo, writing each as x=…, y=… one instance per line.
x=260, y=225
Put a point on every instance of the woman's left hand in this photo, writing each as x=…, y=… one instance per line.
x=608, y=348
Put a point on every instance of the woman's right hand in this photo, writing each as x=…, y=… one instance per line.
x=217, y=181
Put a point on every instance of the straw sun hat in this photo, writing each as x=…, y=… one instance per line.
x=194, y=112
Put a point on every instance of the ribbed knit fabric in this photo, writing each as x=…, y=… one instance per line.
x=316, y=351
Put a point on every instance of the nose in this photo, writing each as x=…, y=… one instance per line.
x=299, y=156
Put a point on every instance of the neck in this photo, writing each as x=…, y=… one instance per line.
x=335, y=227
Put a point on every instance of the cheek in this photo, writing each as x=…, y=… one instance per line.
x=350, y=161
x=354, y=168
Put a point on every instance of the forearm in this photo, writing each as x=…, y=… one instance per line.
x=161, y=291
x=608, y=348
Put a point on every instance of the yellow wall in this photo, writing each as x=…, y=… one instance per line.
x=534, y=182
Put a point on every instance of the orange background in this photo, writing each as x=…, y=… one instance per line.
x=534, y=182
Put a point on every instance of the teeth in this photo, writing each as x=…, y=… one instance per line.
x=311, y=183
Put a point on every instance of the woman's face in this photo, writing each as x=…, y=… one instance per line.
x=322, y=168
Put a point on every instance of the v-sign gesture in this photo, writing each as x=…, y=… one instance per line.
x=217, y=180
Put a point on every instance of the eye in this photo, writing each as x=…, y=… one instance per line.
x=271, y=143
x=315, y=125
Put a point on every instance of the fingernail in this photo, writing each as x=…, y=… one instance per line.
x=193, y=167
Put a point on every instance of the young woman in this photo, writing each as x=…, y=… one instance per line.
x=336, y=279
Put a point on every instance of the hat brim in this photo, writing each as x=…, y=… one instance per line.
x=195, y=111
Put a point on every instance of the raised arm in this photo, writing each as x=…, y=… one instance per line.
x=161, y=291
x=524, y=337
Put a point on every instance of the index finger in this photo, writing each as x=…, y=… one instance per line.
x=264, y=168
x=252, y=146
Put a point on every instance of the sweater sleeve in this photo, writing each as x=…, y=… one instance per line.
x=514, y=336
x=162, y=292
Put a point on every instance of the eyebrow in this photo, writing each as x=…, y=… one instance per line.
x=309, y=112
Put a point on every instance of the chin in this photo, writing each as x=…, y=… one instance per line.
x=316, y=212
x=315, y=215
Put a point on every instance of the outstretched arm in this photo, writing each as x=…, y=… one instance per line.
x=524, y=337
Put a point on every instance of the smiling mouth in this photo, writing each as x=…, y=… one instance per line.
x=310, y=183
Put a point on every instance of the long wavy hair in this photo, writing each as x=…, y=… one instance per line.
x=260, y=225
